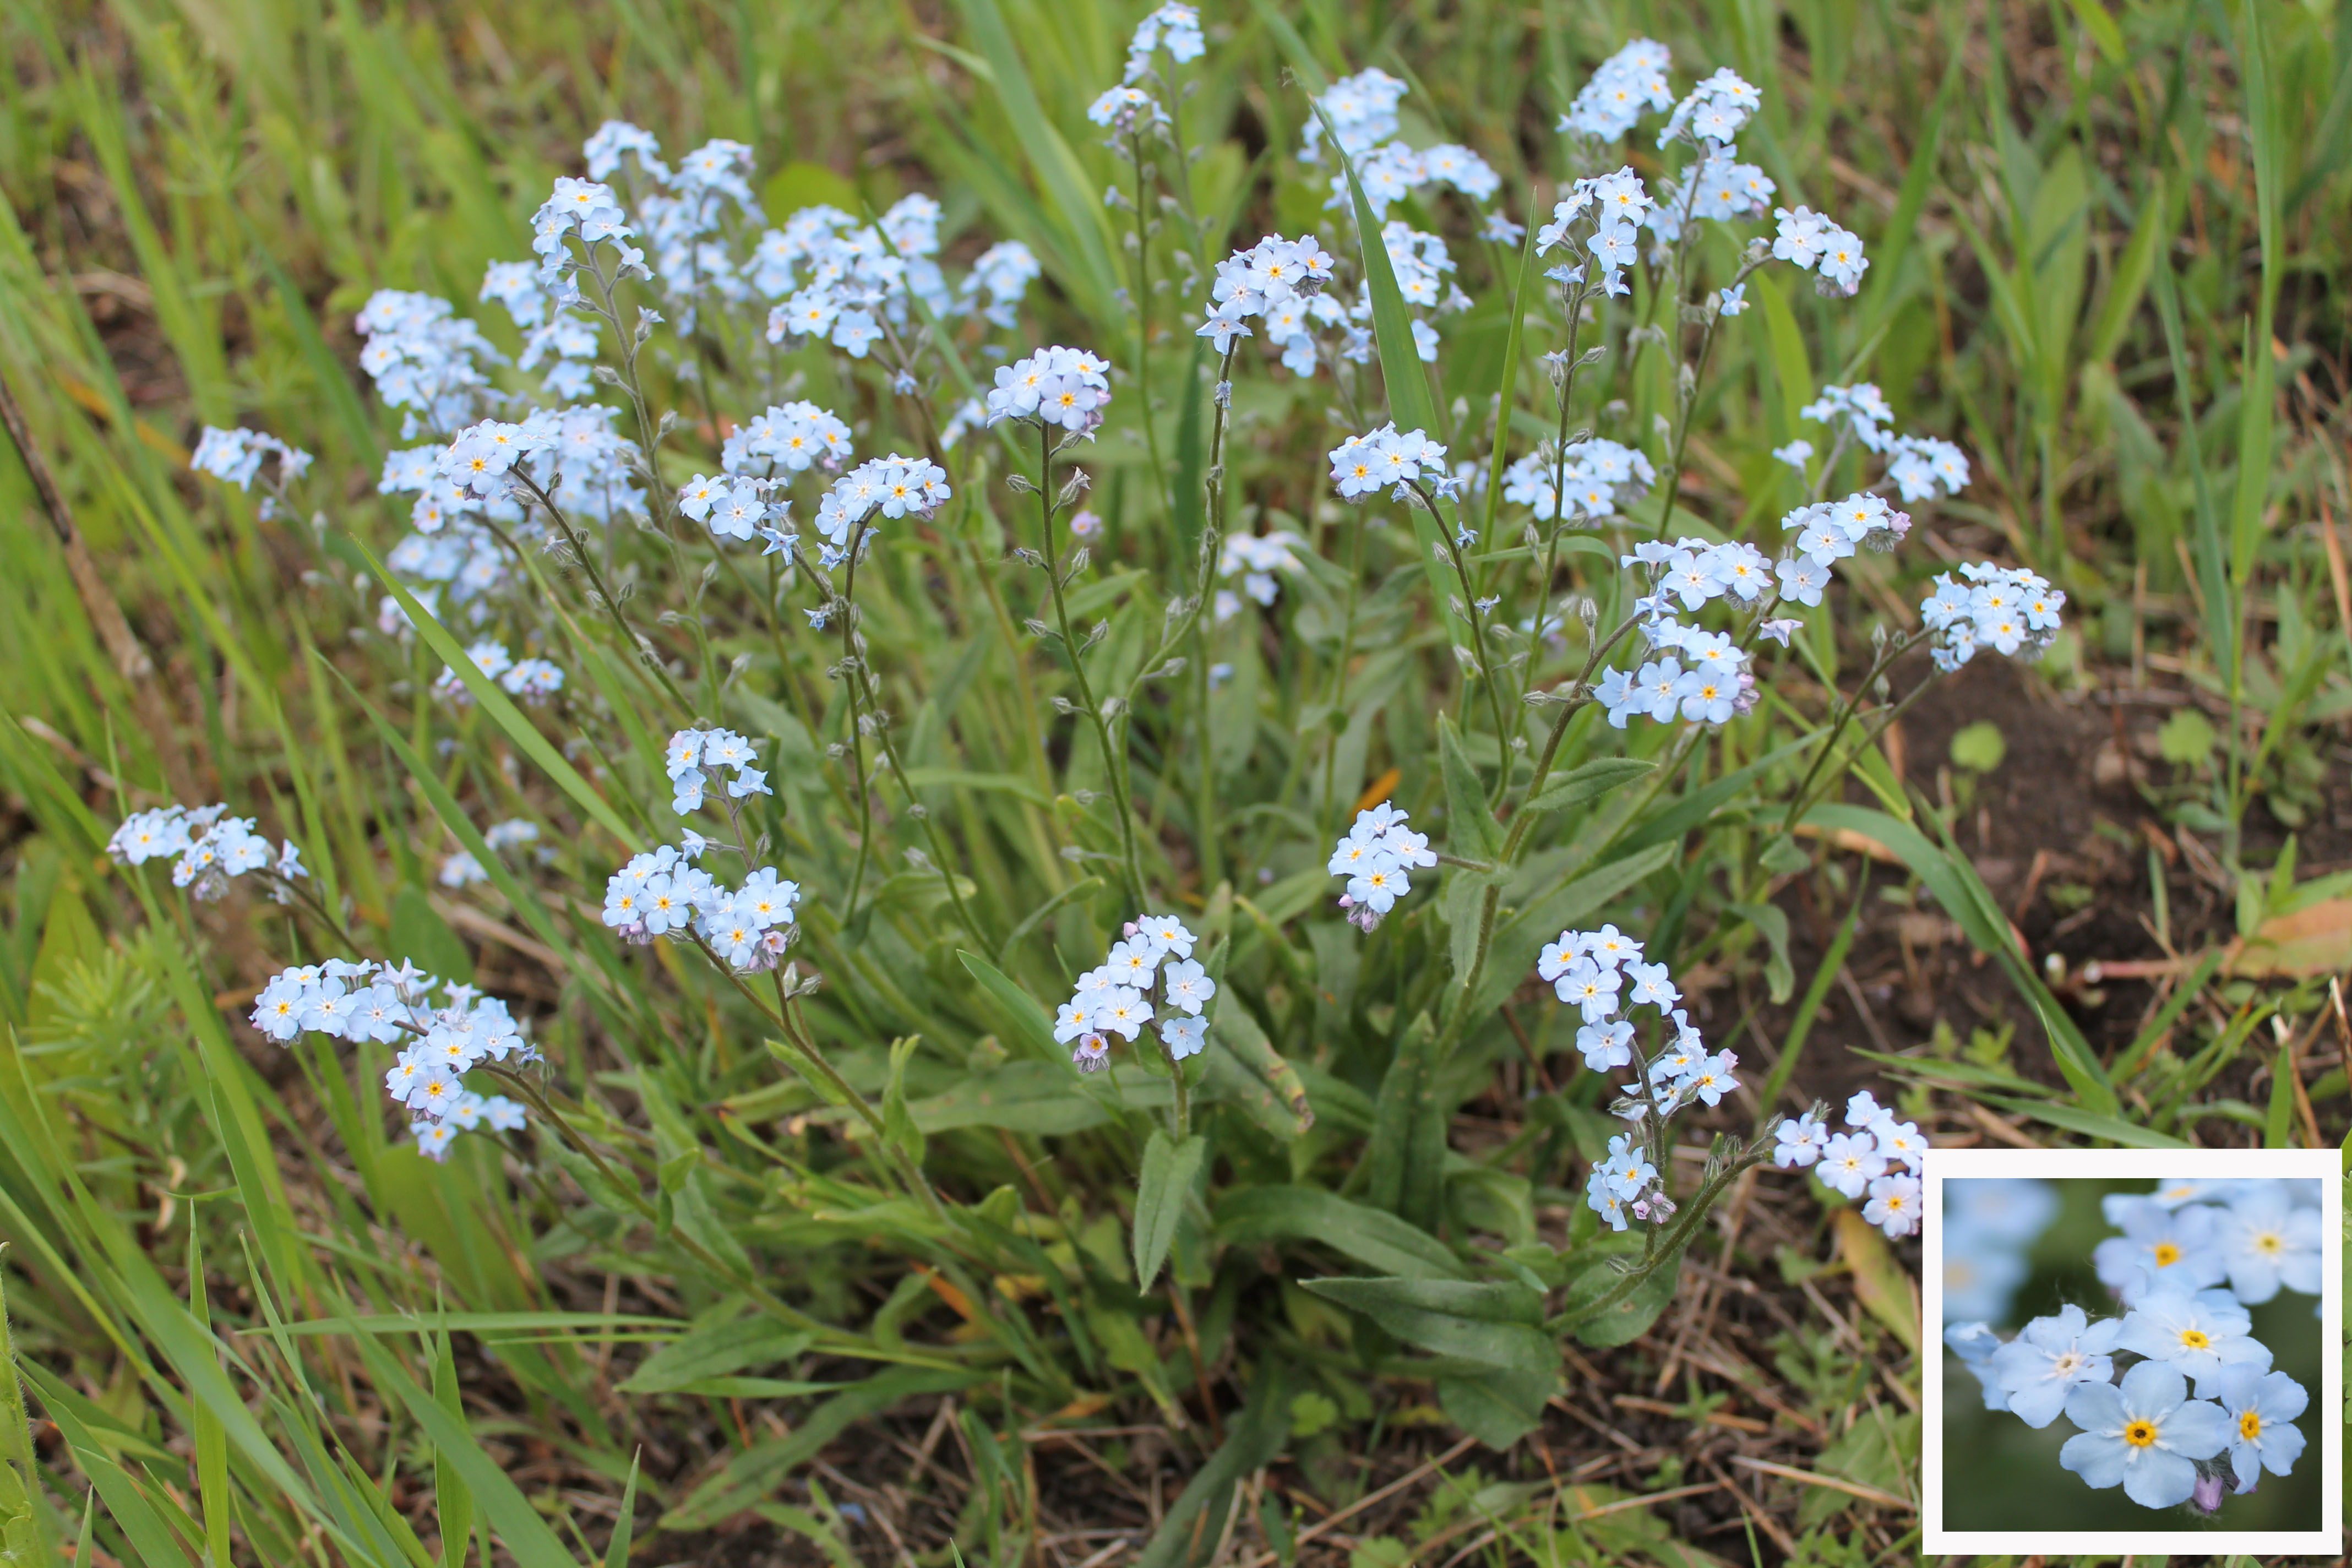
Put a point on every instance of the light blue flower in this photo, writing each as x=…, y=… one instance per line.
x=2199, y=1334
x=2176, y=1246
x=2261, y=1411
x=2143, y=1435
x=2265, y=1242
x=2046, y=1363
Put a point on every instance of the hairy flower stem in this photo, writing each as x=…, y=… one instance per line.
x=1688, y=400
x=1213, y=482
x=1143, y=324
x=1114, y=759
x=630, y=639
x=1478, y=618
x=1559, y=473
x=1801, y=801
x=1339, y=670
x=1456, y=1019
x=857, y=726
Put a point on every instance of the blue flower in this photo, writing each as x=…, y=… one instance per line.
x=2175, y=1247
x=2046, y=1363
x=2265, y=1241
x=2143, y=1435
x=2261, y=1411
x=2199, y=1334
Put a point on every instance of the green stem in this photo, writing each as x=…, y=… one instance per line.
x=1114, y=759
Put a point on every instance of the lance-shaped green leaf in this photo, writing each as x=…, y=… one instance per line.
x=1165, y=1181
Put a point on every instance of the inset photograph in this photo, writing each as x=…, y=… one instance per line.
x=2134, y=1360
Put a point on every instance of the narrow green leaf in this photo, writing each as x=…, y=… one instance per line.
x=1164, y=1183
x=1373, y=1237
x=1589, y=782
x=1470, y=830
x=1496, y=1323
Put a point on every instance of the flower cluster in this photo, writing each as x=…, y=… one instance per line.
x=1701, y=675
x=1628, y=82
x=844, y=279
x=1362, y=112
x=588, y=213
x=663, y=892
x=386, y=1005
x=1275, y=280
x=893, y=486
x=1115, y=996
x=1062, y=387
x=1921, y=467
x=460, y=869
x=1387, y=459
x=1175, y=27
x=2010, y=609
x=2146, y=1433
x=1124, y=111
x=1713, y=113
x=423, y=359
x=237, y=456
x=1603, y=974
x=1377, y=856
x=1990, y=1223
x=533, y=679
x=1615, y=205
x=1601, y=478
x=1819, y=246
x=1876, y=1159
x=792, y=438
x=690, y=751
x=207, y=847
x=565, y=340
x=1257, y=557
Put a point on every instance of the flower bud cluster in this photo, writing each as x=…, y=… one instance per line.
x=2192, y=1257
x=369, y=1001
x=208, y=847
x=1877, y=1158
x=1115, y=996
x=1378, y=856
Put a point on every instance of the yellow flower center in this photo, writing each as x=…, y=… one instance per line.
x=2195, y=1340
x=2272, y=1243
x=2167, y=1255
x=2140, y=1434
x=2250, y=1426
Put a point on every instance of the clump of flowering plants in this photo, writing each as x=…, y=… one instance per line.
x=1072, y=790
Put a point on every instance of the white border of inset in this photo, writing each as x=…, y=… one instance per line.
x=2061, y=1164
